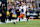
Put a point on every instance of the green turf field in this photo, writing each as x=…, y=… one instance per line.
x=31, y=23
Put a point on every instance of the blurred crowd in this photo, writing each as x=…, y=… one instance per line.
x=27, y=5
x=14, y=7
x=30, y=4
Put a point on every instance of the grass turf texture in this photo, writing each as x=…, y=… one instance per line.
x=31, y=23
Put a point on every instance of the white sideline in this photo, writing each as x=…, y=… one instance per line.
x=14, y=21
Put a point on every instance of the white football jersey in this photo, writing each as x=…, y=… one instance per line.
x=20, y=8
x=24, y=8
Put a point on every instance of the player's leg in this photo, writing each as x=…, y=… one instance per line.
x=18, y=19
x=22, y=15
x=26, y=17
x=7, y=19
